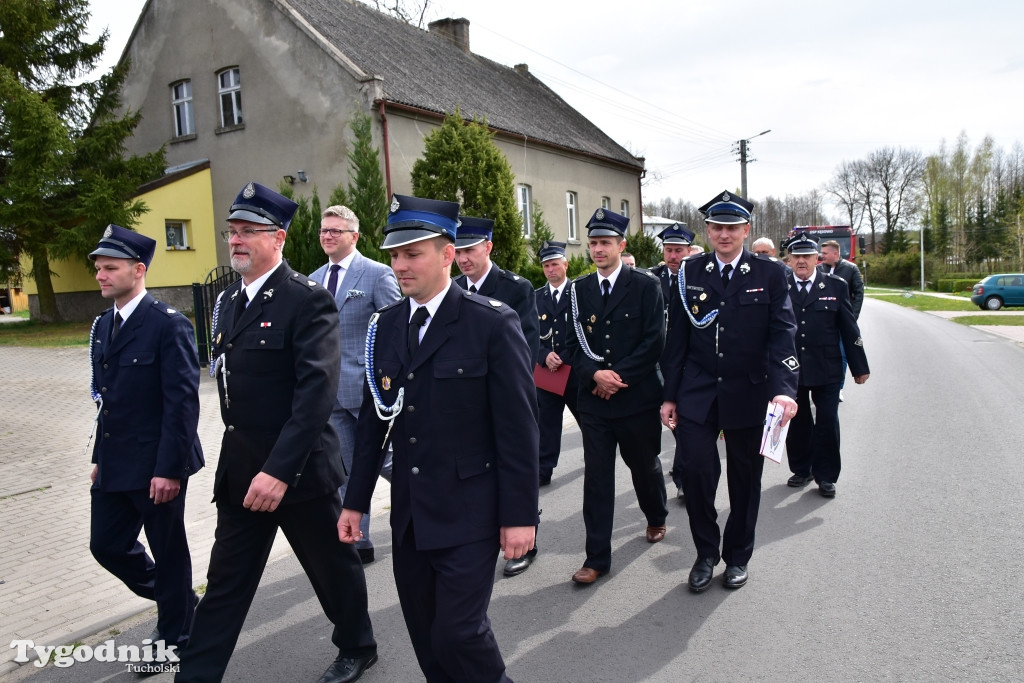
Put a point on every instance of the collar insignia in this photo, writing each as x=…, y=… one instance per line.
x=710, y=266
x=744, y=268
x=267, y=294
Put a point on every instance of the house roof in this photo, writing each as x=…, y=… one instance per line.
x=427, y=71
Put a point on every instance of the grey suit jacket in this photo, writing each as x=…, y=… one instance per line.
x=365, y=287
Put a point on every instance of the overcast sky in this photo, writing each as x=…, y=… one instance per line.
x=680, y=82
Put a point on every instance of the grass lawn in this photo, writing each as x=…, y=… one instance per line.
x=50, y=335
x=1016, y=319
x=921, y=302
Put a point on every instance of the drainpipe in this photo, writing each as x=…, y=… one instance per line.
x=387, y=147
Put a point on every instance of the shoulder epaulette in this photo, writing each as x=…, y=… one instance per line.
x=299, y=278
x=165, y=309
x=391, y=305
x=484, y=301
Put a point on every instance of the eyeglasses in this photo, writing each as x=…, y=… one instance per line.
x=244, y=233
x=333, y=232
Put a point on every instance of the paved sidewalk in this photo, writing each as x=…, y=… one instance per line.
x=52, y=591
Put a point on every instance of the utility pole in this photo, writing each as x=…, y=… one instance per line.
x=744, y=160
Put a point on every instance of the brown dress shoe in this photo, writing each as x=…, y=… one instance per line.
x=586, y=575
x=655, y=533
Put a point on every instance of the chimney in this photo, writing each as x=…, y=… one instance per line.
x=522, y=69
x=455, y=30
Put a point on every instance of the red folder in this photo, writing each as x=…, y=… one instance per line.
x=551, y=381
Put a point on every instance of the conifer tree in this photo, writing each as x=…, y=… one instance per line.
x=461, y=163
x=63, y=174
x=367, y=193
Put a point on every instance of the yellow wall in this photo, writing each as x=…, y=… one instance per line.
x=188, y=199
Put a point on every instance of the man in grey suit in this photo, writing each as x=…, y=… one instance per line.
x=360, y=286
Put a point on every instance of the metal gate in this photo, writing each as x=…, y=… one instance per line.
x=204, y=297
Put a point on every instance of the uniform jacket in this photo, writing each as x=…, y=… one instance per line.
x=746, y=356
x=148, y=379
x=554, y=324
x=466, y=441
x=629, y=334
x=365, y=287
x=823, y=318
x=280, y=363
x=517, y=292
x=668, y=293
x=851, y=273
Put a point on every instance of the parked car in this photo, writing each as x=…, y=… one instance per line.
x=997, y=291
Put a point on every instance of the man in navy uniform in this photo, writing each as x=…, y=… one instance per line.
x=479, y=275
x=450, y=384
x=618, y=319
x=145, y=381
x=359, y=286
x=276, y=344
x=555, y=330
x=730, y=353
x=824, y=315
x=832, y=261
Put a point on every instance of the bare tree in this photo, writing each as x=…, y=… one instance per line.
x=414, y=13
x=845, y=188
x=897, y=173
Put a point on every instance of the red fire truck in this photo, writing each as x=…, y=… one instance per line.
x=840, y=233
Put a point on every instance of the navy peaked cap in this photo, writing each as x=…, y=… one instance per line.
x=259, y=204
x=605, y=223
x=727, y=209
x=473, y=231
x=121, y=242
x=412, y=219
x=551, y=250
x=802, y=243
x=677, y=233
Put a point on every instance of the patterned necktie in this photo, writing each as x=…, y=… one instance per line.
x=332, y=281
x=419, y=316
x=117, y=326
x=726, y=271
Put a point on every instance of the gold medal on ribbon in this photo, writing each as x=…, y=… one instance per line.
x=385, y=383
x=695, y=309
x=590, y=330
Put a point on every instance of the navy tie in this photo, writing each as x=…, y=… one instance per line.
x=117, y=326
x=419, y=316
x=726, y=271
x=332, y=281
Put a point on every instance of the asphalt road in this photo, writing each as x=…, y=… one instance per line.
x=912, y=573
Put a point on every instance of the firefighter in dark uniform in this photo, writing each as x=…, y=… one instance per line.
x=730, y=355
x=553, y=315
x=824, y=315
x=618, y=319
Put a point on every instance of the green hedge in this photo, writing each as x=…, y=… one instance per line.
x=950, y=285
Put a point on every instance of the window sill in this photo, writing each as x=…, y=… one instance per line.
x=179, y=249
x=572, y=241
x=229, y=129
x=183, y=138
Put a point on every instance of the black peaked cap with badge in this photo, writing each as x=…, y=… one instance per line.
x=259, y=204
x=605, y=223
x=118, y=242
x=677, y=233
x=727, y=209
x=551, y=250
x=472, y=231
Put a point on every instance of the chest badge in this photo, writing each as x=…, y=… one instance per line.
x=385, y=383
x=703, y=296
x=217, y=340
x=695, y=308
x=544, y=317
x=593, y=319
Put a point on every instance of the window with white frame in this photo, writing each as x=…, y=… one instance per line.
x=624, y=208
x=177, y=234
x=606, y=202
x=229, y=87
x=524, y=198
x=572, y=214
x=181, y=103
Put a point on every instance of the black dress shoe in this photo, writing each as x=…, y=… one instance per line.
x=798, y=481
x=735, y=575
x=347, y=669
x=517, y=566
x=545, y=480
x=827, y=489
x=365, y=555
x=700, y=575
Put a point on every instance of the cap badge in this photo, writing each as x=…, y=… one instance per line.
x=108, y=232
x=726, y=197
x=249, y=192
x=385, y=383
x=599, y=214
x=395, y=206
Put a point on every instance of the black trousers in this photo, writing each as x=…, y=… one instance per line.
x=551, y=407
x=638, y=438
x=242, y=544
x=116, y=520
x=444, y=596
x=812, y=444
x=697, y=453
